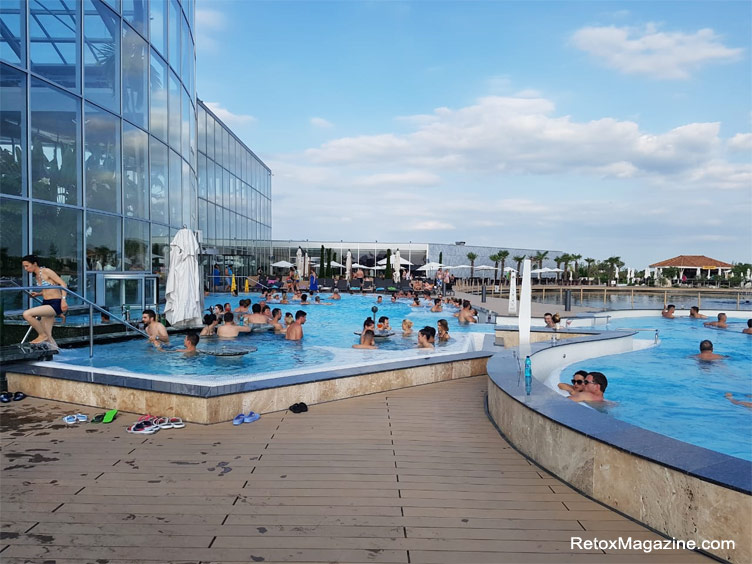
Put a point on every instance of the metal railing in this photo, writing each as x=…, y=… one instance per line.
x=92, y=307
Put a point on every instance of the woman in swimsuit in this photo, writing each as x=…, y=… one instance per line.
x=42, y=317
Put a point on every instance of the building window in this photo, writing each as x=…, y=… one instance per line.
x=159, y=180
x=55, y=121
x=12, y=131
x=176, y=190
x=134, y=12
x=13, y=245
x=103, y=242
x=101, y=55
x=13, y=38
x=102, y=159
x=56, y=240
x=135, y=172
x=158, y=98
x=174, y=94
x=54, y=31
x=136, y=245
x=174, y=35
x=158, y=25
x=135, y=66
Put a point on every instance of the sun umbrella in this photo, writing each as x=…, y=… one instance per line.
x=336, y=264
x=430, y=266
x=348, y=265
x=306, y=266
x=299, y=260
x=395, y=259
x=282, y=264
x=513, y=295
x=184, y=299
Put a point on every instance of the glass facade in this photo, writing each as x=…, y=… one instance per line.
x=105, y=150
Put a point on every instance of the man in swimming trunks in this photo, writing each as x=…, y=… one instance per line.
x=335, y=294
x=668, y=311
x=189, y=343
x=548, y=318
x=383, y=325
x=256, y=316
x=593, y=388
x=380, y=299
x=748, y=330
x=466, y=313
x=295, y=331
x=367, y=341
x=42, y=317
x=706, y=352
x=694, y=313
x=577, y=385
x=720, y=324
x=230, y=330
x=437, y=306
x=276, y=321
x=303, y=299
x=157, y=332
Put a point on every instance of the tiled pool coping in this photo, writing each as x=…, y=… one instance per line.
x=682, y=490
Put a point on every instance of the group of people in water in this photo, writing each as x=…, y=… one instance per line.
x=694, y=313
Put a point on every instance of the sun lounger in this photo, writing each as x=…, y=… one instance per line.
x=342, y=285
x=368, y=286
x=355, y=286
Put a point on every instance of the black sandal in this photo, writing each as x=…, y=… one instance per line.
x=18, y=396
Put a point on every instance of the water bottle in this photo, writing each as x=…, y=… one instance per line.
x=528, y=375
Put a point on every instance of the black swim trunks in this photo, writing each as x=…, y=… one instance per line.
x=55, y=304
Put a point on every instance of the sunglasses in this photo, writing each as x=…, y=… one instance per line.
x=578, y=382
x=586, y=382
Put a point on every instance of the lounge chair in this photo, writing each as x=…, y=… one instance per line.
x=355, y=286
x=342, y=285
x=326, y=284
x=368, y=286
x=380, y=284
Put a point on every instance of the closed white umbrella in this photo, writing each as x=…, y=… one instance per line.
x=306, y=265
x=184, y=296
x=513, y=293
x=397, y=274
x=299, y=260
x=348, y=265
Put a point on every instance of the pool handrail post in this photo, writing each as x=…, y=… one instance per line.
x=91, y=331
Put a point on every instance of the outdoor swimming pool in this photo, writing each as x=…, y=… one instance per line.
x=328, y=339
x=666, y=390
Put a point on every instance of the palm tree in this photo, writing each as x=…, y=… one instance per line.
x=471, y=257
x=614, y=264
x=566, y=258
x=558, y=260
x=518, y=259
x=495, y=257
x=590, y=262
x=539, y=257
x=503, y=259
x=576, y=258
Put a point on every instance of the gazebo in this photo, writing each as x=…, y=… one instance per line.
x=693, y=266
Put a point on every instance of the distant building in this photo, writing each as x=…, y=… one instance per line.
x=694, y=267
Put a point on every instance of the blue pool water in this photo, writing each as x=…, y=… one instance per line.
x=327, y=343
x=649, y=301
x=666, y=390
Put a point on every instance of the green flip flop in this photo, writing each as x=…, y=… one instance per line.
x=109, y=416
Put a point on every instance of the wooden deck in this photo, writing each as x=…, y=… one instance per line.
x=416, y=475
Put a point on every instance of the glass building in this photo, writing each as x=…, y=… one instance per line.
x=106, y=152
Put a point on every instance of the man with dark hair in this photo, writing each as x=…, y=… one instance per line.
x=668, y=311
x=466, y=313
x=295, y=330
x=426, y=337
x=577, y=385
x=256, y=316
x=706, y=352
x=548, y=319
x=157, y=332
x=721, y=323
x=595, y=385
x=748, y=330
x=694, y=313
x=276, y=320
x=189, y=343
x=229, y=330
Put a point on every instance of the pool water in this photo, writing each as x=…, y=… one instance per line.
x=666, y=390
x=648, y=301
x=327, y=343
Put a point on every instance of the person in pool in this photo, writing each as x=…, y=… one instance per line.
x=229, y=330
x=720, y=324
x=295, y=331
x=706, y=352
x=190, y=342
x=548, y=319
x=407, y=327
x=443, y=329
x=368, y=325
x=157, y=332
x=748, y=330
x=729, y=396
x=42, y=317
x=335, y=294
x=289, y=319
x=465, y=315
x=577, y=385
x=436, y=308
x=317, y=301
x=210, y=325
x=284, y=299
x=426, y=337
x=380, y=299
x=383, y=325
x=694, y=313
x=594, y=386
x=416, y=302
x=276, y=320
x=256, y=316
x=367, y=341
x=668, y=311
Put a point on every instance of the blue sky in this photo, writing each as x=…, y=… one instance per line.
x=599, y=128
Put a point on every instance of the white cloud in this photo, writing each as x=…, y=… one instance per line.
x=321, y=122
x=432, y=225
x=209, y=26
x=741, y=142
x=407, y=179
x=646, y=50
x=229, y=118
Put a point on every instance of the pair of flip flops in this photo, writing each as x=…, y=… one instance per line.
x=77, y=418
x=105, y=417
x=241, y=418
x=7, y=397
x=145, y=427
x=298, y=407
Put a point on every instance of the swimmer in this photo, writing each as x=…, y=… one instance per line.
x=548, y=319
x=748, y=330
x=335, y=294
x=243, y=306
x=595, y=384
x=668, y=311
x=228, y=307
x=694, y=313
x=284, y=299
x=729, y=396
x=368, y=325
x=210, y=325
x=407, y=327
x=416, y=303
x=276, y=320
x=289, y=319
x=577, y=385
x=156, y=331
x=42, y=317
x=437, y=306
x=304, y=299
x=256, y=316
x=380, y=299
x=317, y=301
x=466, y=313
x=189, y=343
x=721, y=323
x=394, y=298
x=443, y=327
x=367, y=341
x=556, y=318
x=426, y=337
x=230, y=330
x=266, y=311
x=706, y=352
x=383, y=325
x=295, y=330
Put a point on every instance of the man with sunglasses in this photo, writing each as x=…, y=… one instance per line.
x=594, y=386
x=577, y=385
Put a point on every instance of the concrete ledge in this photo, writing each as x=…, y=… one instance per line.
x=683, y=491
x=219, y=408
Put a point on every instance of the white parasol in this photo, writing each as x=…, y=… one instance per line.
x=184, y=297
x=282, y=264
x=397, y=274
x=523, y=323
x=306, y=265
x=299, y=260
x=430, y=266
x=513, y=294
x=348, y=265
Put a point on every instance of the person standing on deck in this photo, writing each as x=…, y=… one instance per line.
x=42, y=317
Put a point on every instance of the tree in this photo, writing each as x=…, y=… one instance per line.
x=566, y=259
x=496, y=258
x=558, y=260
x=576, y=259
x=539, y=257
x=503, y=259
x=471, y=257
x=590, y=262
x=441, y=257
x=388, y=271
x=518, y=259
x=614, y=264
x=328, y=263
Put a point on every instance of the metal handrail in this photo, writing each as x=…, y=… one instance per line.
x=92, y=307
